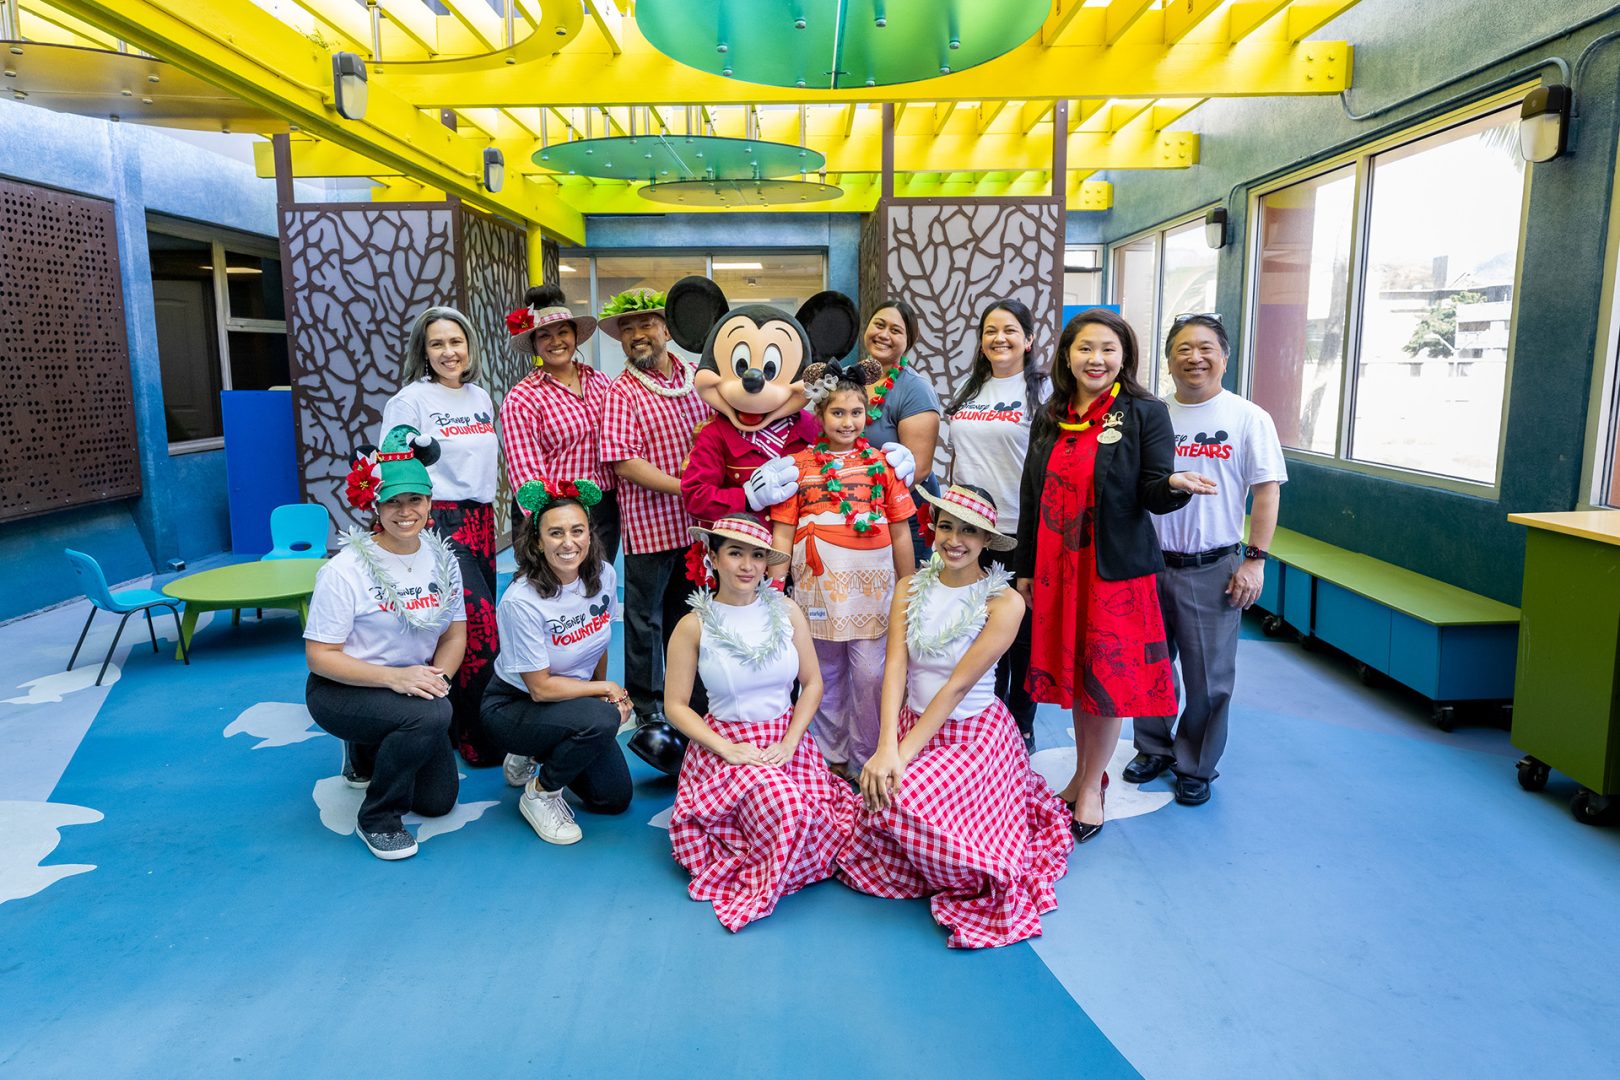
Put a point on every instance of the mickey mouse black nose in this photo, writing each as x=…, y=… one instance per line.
x=753, y=380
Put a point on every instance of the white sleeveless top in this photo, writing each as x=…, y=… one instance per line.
x=746, y=657
x=941, y=625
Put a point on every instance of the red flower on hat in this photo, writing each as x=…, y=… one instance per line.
x=362, y=484
x=520, y=321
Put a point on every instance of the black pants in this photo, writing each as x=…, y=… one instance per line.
x=655, y=592
x=1012, y=670
x=604, y=522
x=575, y=742
x=469, y=528
x=402, y=740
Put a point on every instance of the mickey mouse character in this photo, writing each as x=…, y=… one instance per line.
x=751, y=374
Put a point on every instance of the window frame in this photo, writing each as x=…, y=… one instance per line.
x=1361, y=157
x=220, y=240
x=1602, y=441
x=1150, y=379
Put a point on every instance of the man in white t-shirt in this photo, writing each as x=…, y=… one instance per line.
x=1210, y=574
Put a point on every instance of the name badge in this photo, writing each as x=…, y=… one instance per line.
x=818, y=613
x=1109, y=435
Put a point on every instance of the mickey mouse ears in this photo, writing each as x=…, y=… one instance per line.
x=696, y=305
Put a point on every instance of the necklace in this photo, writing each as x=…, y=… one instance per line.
x=444, y=565
x=969, y=615
x=662, y=391
x=827, y=465
x=1084, y=424
x=778, y=626
x=880, y=391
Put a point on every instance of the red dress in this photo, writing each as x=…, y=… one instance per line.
x=1116, y=628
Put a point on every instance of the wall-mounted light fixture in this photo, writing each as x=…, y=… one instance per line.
x=349, y=85
x=1544, y=122
x=494, y=169
x=1215, y=227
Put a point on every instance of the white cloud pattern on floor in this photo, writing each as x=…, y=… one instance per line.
x=275, y=723
x=54, y=687
x=339, y=805
x=30, y=831
x=1056, y=764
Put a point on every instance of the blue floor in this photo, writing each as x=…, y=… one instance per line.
x=1364, y=896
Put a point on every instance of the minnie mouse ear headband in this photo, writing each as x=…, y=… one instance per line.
x=744, y=531
x=971, y=508
x=823, y=377
x=536, y=495
x=628, y=303
x=522, y=323
x=398, y=467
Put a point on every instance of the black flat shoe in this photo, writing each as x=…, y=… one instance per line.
x=1084, y=830
x=659, y=745
x=1145, y=767
x=1191, y=791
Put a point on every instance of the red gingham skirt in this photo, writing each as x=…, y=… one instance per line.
x=973, y=825
x=751, y=834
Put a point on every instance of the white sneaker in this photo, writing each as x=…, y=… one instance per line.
x=549, y=814
x=518, y=770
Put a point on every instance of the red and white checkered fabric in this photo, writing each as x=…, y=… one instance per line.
x=550, y=433
x=752, y=834
x=637, y=423
x=973, y=825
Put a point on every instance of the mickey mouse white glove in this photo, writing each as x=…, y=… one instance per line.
x=775, y=481
x=902, y=462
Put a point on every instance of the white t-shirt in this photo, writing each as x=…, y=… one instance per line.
x=463, y=420
x=349, y=608
x=989, y=438
x=565, y=635
x=1232, y=441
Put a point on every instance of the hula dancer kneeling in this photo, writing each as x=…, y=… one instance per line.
x=953, y=808
x=386, y=632
x=549, y=703
x=757, y=815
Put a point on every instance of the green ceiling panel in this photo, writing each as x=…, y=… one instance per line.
x=663, y=158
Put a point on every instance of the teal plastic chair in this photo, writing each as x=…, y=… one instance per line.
x=298, y=531
x=125, y=602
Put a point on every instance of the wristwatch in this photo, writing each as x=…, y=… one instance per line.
x=1252, y=552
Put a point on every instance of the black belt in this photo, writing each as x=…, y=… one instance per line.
x=1203, y=558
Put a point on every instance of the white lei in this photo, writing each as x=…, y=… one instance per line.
x=778, y=626
x=662, y=391
x=969, y=617
x=366, y=549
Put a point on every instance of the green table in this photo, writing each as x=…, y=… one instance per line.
x=280, y=583
x=1566, y=712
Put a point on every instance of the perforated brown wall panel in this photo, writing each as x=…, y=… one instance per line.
x=494, y=271
x=67, y=416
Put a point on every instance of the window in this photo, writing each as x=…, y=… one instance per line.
x=221, y=324
x=1082, y=276
x=783, y=278
x=1157, y=277
x=1391, y=348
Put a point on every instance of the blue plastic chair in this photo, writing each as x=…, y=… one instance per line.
x=125, y=602
x=298, y=531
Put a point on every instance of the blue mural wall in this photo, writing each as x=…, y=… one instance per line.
x=1401, y=50
x=181, y=513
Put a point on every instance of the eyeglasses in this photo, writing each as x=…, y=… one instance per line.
x=1188, y=316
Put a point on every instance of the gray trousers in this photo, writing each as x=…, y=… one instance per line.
x=655, y=592
x=1202, y=629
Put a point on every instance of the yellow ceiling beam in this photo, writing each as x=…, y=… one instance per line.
x=415, y=20
x=525, y=120
x=987, y=113
x=77, y=31
x=1244, y=17
x=608, y=22
x=942, y=115
x=287, y=74
x=1031, y=113
x=1120, y=16
x=1167, y=111
x=480, y=20
x=1305, y=17
x=1181, y=17
x=587, y=73
x=850, y=113
x=1060, y=19
x=347, y=20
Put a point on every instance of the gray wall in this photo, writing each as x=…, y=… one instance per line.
x=1403, y=48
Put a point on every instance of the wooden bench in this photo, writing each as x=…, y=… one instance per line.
x=1448, y=644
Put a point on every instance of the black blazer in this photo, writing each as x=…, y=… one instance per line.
x=1132, y=481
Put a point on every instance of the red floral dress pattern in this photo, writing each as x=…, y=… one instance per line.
x=1097, y=644
x=469, y=528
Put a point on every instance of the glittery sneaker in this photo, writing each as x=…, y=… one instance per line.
x=549, y=814
x=397, y=844
x=517, y=769
x=351, y=775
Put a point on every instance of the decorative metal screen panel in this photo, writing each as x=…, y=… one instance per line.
x=869, y=262
x=356, y=276
x=494, y=268
x=948, y=259
x=68, y=418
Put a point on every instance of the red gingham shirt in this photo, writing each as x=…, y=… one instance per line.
x=549, y=433
x=638, y=423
